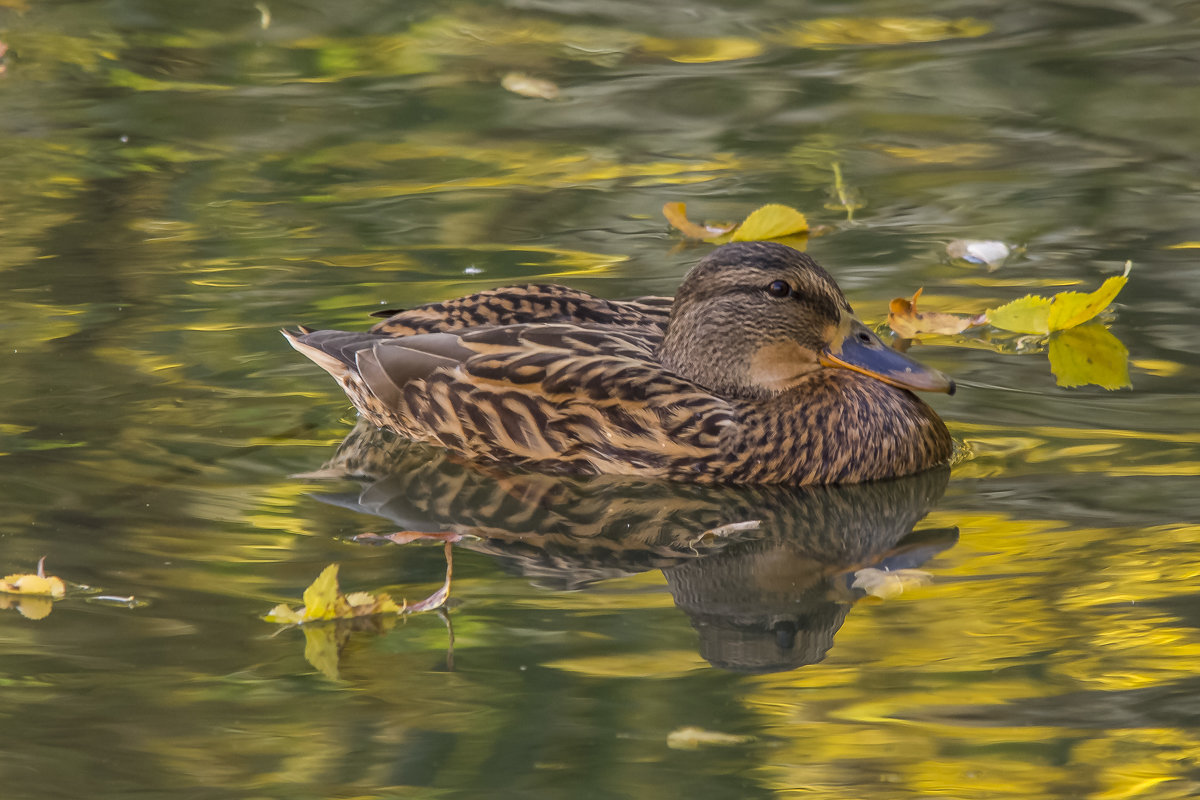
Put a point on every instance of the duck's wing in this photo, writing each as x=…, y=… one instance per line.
x=556, y=397
x=518, y=305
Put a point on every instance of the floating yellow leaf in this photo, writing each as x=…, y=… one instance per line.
x=772, y=221
x=1075, y=308
x=1184, y=246
x=527, y=86
x=676, y=214
x=702, y=51
x=908, y=323
x=833, y=31
x=1030, y=314
x=691, y=738
x=321, y=598
x=365, y=603
x=1089, y=354
x=39, y=585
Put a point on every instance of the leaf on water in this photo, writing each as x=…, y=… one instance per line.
x=1180, y=246
x=692, y=738
x=908, y=323
x=324, y=601
x=989, y=253
x=676, y=214
x=321, y=597
x=1075, y=308
x=772, y=221
x=363, y=604
x=702, y=51
x=835, y=31
x=1089, y=354
x=1031, y=314
x=528, y=86
x=886, y=584
x=39, y=585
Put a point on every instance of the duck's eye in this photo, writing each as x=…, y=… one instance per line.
x=779, y=289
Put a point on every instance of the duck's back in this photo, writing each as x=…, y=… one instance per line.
x=531, y=303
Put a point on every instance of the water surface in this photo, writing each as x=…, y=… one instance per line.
x=180, y=181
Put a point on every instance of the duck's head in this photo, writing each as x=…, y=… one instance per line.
x=755, y=318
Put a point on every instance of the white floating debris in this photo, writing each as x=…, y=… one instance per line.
x=979, y=251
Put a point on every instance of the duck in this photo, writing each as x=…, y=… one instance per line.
x=756, y=372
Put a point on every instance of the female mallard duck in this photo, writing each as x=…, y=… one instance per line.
x=757, y=372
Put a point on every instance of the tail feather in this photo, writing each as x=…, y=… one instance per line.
x=327, y=360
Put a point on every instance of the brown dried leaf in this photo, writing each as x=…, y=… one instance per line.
x=908, y=323
x=676, y=214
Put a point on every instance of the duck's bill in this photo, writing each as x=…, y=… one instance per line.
x=859, y=349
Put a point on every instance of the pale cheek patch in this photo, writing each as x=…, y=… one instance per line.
x=776, y=367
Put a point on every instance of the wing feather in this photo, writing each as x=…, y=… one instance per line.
x=554, y=396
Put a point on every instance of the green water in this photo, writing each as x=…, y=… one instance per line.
x=178, y=181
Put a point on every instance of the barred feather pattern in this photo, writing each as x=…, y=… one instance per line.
x=515, y=305
x=589, y=400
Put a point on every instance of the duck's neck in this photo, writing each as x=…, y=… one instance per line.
x=740, y=367
x=721, y=370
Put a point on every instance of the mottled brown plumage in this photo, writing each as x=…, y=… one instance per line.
x=757, y=372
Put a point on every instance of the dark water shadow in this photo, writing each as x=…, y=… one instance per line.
x=766, y=574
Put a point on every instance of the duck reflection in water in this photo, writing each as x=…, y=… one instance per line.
x=767, y=574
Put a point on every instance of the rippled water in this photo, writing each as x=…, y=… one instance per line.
x=179, y=182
